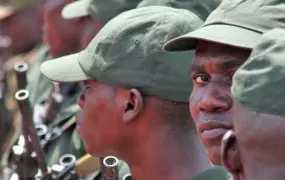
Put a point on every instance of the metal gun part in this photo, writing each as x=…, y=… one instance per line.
x=110, y=169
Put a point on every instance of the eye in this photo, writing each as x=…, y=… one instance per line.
x=231, y=74
x=201, y=78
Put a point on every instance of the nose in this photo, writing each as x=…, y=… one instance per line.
x=215, y=100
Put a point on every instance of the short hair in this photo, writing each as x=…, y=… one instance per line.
x=177, y=116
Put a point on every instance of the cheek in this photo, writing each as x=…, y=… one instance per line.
x=194, y=100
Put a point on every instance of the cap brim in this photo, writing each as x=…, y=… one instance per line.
x=75, y=10
x=5, y=11
x=219, y=33
x=64, y=69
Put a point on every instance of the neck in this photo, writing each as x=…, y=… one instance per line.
x=264, y=172
x=163, y=156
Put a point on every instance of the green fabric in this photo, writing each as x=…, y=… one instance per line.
x=127, y=53
x=68, y=143
x=103, y=10
x=259, y=83
x=38, y=85
x=237, y=23
x=215, y=173
x=201, y=8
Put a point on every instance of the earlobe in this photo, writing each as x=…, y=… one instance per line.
x=134, y=106
x=230, y=154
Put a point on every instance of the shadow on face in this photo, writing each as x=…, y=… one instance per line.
x=257, y=143
x=211, y=101
x=105, y=116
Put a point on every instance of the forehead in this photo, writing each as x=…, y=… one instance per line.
x=219, y=55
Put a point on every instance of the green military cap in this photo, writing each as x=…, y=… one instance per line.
x=259, y=83
x=5, y=11
x=237, y=23
x=127, y=53
x=103, y=10
x=201, y=8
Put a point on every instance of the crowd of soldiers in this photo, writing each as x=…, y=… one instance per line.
x=142, y=89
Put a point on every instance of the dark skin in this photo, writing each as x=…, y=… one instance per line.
x=65, y=36
x=62, y=35
x=255, y=150
x=211, y=101
x=123, y=123
x=27, y=20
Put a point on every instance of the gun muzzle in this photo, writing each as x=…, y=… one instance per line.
x=21, y=68
x=67, y=160
x=41, y=130
x=127, y=177
x=110, y=170
x=29, y=131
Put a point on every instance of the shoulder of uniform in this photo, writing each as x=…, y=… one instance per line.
x=214, y=173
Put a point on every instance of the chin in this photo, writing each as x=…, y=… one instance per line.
x=93, y=149
x=214, y=155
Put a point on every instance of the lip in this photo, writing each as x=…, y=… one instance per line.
x=213, y=129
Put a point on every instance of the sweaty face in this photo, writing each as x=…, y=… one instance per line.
x=60, y=34
x=261, y=142
x=211, y=101
x=99, y=119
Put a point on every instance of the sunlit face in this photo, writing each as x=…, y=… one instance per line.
x=211, y=101
x=99, y=121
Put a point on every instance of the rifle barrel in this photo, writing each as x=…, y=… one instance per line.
x=22, y=97
x=21, y=69
x=110, y=169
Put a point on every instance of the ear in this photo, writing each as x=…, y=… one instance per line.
x=134, y=105
x=230, y=153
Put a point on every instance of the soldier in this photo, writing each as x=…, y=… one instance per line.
x=12, y=26
x=222, y=44
x=56, y=31
x=14, y=47
x=102, y=10
x=130, y=107
x=255, y=148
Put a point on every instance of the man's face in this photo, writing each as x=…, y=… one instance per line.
x=260, y=141
x=99, y=121
x=60, y=34
x=12, y=29
x=211, y=101
x=90, y=31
